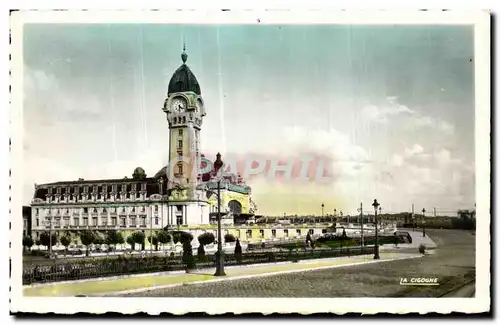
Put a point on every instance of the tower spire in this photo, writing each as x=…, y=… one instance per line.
x=184, y=55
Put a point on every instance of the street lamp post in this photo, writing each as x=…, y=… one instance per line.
x=49, y=223
x=375, y=205
x=160, y=185
x=360, y=210
x=380, y=217
x=322, y=211
x=423, y=222
x=219, y=262
x=151, y=233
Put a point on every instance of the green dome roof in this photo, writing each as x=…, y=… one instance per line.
x=183, y=79
x=139, y=173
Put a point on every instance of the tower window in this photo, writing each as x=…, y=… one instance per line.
x=181, y=132
x=179, y=168
x=179, y=144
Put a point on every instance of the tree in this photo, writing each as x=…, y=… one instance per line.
x=27, y=242
x=131, y=241
x=181, y=236
x=187, y=255
x=45, y=239
x=238, y=251
x=138, y=237
x=163, y=237
x=113, y=238
x=38, y=243
x=119, y=239
x=229, y=238
x=87, y=237
x=154, y=241
x=98, y=240
x=205, y=239
x=65, y=241
x=396, y=240
x=308, y=239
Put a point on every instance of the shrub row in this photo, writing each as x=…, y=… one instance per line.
x=87, y=268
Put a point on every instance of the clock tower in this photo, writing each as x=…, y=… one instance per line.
x=185, y=110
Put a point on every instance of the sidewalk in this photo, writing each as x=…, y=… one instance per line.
x=144, y=282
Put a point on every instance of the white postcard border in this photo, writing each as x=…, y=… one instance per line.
x=481, y=303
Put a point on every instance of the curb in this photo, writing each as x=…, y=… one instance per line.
x=241, y=277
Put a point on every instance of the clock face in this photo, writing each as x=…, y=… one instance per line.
x=178, y=105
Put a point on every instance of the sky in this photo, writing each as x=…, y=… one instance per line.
x=391, y=107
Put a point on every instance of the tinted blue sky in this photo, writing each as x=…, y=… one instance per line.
x=394, y=105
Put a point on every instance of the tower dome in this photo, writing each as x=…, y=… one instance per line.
x=183, y=79
x=139, y=173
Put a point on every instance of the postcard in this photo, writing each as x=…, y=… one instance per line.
x=248, y=162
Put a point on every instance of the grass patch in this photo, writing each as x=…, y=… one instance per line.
x=97, y=287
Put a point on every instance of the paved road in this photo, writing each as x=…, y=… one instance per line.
x=453, y=262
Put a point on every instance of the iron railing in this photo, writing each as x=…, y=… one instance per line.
x=88, y=268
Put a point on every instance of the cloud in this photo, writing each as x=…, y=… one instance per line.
x=150, y=160
x=330, y=142
x=38, y=80
x=432, y=178
x=393, y=111
x=415, y=174
x=383, y=114
x=47, y=96
x=432, y=123
x=397, y=160
x=414, y=150
x=42, y=170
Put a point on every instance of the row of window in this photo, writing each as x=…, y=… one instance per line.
x=122, y=221
x=96, y=196
x=273, y=232
x=94, y=210
x=133, y=187
x=58, y=221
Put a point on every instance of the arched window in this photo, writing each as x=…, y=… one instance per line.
x=234, y=207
